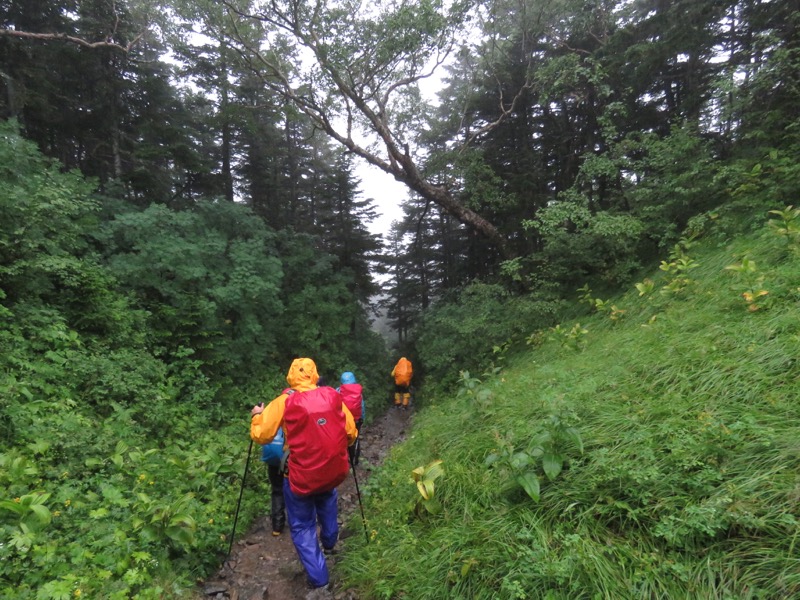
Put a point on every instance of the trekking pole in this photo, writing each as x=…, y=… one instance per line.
x=239, y=503
x=360, y=505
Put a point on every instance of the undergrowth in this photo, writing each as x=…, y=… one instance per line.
x=686, y=485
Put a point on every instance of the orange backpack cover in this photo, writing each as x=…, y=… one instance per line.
x=403, y=372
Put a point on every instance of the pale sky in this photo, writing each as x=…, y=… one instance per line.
x=387, y=192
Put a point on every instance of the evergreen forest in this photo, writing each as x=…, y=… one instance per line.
x=596, y=276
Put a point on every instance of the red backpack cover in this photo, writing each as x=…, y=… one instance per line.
x=351, y=395
x=317, y=439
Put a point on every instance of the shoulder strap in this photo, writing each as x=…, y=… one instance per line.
x=285, y=456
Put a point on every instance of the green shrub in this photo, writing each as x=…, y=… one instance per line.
x=460, y=333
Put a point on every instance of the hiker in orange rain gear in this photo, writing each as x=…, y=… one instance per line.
x=306, y=508
x=402, y=374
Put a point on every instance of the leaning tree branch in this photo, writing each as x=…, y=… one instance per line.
x=398, y=162
x=62, y=37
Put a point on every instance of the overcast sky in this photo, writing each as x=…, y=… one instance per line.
x=387, y=193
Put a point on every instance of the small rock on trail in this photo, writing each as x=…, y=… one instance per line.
x=265, y=567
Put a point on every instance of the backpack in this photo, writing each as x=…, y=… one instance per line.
x=272, y=453
x=402, y=372
x=351, y=396
x=315, y=431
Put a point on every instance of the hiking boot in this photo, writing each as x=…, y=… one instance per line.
x=329, y=551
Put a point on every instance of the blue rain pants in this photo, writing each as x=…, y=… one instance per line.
x=304, y=512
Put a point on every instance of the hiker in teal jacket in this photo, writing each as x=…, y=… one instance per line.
x=353, y=396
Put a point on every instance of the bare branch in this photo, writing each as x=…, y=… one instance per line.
x=62, y=37
x=504, y=113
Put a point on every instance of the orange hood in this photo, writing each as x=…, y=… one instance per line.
x=302, y=374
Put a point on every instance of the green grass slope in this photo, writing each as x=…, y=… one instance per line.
x=662, y=442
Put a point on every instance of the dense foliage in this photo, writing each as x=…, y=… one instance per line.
x=175, y=227
x=132, y=342
x=648, y=449
x=628, y=119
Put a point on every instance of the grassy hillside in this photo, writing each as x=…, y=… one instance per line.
x=661, y=437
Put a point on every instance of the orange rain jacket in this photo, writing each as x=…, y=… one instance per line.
x=402, y=372
x=302, y=377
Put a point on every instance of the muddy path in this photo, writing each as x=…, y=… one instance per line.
x=263, y=567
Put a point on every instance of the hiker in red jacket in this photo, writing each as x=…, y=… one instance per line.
x=318, y=428
x=402, y=374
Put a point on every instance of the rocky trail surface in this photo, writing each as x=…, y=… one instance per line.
x=263, y=567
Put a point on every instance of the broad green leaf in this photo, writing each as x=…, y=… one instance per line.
x=575, y=437
x=12, y=506
x=491, y=459
x=541, y=439
x=484, y=396
x=434, y=470
x=42, y=513
x=552, y=463
x=530, y=483
x=433, y=506
x=180, y=534
x=423, y=490
x=520, y=460
x=182, y=521
x=149, y=533
x=429, y=485
x=35, y=498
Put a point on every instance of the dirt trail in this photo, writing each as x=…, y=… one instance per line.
x=263, y=567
